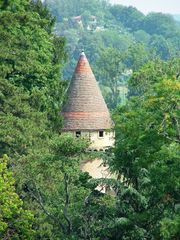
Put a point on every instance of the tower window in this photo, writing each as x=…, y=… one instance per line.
x=78, y=134
x=101, y=133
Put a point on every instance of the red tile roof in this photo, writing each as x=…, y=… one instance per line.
x=85, y=108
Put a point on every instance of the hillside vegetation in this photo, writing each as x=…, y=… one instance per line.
x=113, y=35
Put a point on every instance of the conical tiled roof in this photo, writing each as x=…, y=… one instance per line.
x=85, y=108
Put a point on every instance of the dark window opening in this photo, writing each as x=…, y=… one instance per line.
x=101, y=133
x=78, y=134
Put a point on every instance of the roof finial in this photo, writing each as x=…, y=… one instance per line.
x=82, y=53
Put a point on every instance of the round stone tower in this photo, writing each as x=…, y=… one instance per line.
x=85, y=112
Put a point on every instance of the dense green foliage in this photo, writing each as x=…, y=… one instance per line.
x=43, y=192
x=15, y=223
x=31, y=55
x=97, y=25
x=147, y=154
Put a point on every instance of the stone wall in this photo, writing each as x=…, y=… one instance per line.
x=101, y=143
x=98, y=143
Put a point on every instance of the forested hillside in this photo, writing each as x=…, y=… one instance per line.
x=113, y=35
x=43, y=193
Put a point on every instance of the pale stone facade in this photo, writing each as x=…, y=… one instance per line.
x=99, y=140
x=96, y=169
x=101, y=143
